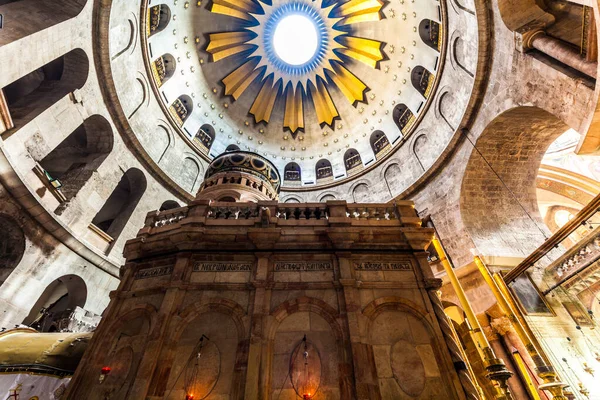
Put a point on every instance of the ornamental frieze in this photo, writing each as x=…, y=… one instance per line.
x=153, y=272
x=383, y=266
x=222, y=267
x=302, y=266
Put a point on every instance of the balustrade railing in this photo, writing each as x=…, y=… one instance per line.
x=307, y=211
x=372, y=212
x=170, y=217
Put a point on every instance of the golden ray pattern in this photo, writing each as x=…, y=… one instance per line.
x=249, y=47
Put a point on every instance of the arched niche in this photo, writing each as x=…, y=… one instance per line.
x=181, y=109
x=163, y=68
x=429, y=31
x=352, y=161
x=57, y=300
x=34, y=93
x=190, y=170
x=323, y=171
x=327, y=197
x=503, y=219
x=158, y=18
x=406, y=352
x=217, y=376
x=361, y=194
x=169, y=205
x=71, y=164
x=121, y=204
x=393, y=178
x=380, y=143
x=205, y=137
x=31, y=16
x=403, y=118
x=422, y=80
x=292, y=173
x=12, y=246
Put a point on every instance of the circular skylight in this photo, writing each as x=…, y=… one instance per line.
x=295, y=39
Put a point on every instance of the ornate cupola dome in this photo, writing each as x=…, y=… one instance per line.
x=240, y=176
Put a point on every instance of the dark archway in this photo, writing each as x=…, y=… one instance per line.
x=30, y=16
x=12, y=246
x=35, y=92
x=205, y=137
x=292, y=173
x=119, y=207
x=323, y=170
x=159, y=17
x=164, y=68
x=352, y=160
x=403, y=117
x=422, y=80
x=379, y=143
x=58, y=300
x=232, y=147
x=169, y=205
x=79, y=155
x=429, y=31
x=181, y=109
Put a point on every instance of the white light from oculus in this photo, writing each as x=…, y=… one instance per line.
x=295, y=39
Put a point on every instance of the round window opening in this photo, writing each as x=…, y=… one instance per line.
x=296, y=39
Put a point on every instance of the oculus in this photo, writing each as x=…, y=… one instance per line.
x=297, y=50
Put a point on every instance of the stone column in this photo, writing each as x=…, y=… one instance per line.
x=533, y=36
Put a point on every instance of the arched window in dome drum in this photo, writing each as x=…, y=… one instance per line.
x=71, y=164
x=205, y=137
x=158, y=18
x=34, y=93
x=292, y=173
x=169, y=205
x=422, y=80
x=430, y=31
x=232, y=147
x=379, y=143
x=352, y=161
x=403, y=117
x=120, y=205
x=163, y=68
x=324, y=171
x=181, y=109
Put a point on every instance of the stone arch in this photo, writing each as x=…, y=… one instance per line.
x=420, y=149
x=160, y=142
x=327, y=197
x=120, y=205
x=139, y=96
x=190, y=171
x=401, y=335
x=392, y=176
x=23, y=12
x=292, y=173
x=458, y=54
x=461, y=5
x=422, y=80
x=158, y=18
x=124, y=343
x=379, y=142
x=124, y=36
x=360, y=193
x=498, y=201
x=292, y=199
x=516, y=13
x=34, y=93
x=220, y=319
x=61, y=295
x=447, y=109
x=79, y=155
x=12, y=245
x=319, y=321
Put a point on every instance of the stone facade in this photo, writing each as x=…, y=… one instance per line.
x=352, y=279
